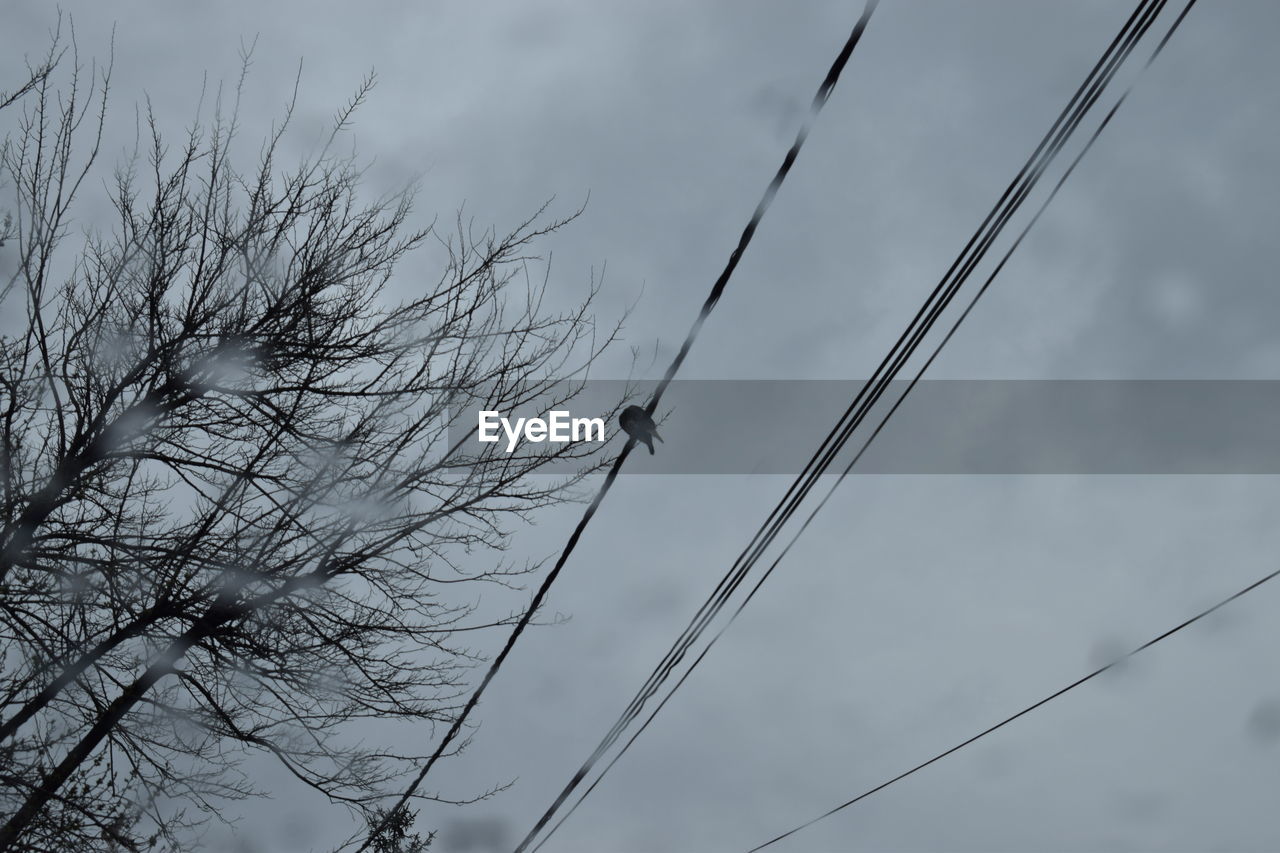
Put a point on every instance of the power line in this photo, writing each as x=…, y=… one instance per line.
x=717, y=290
x=876, y=432
x=852, y=417
x=1027, y=710
x=861, y=451
x=1144, y=15
x=676, y=654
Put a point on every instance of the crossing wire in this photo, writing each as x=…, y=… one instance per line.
x=867, y=443
x=1144, y=16
x=1027, y=710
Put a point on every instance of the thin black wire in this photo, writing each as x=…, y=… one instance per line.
x=1145, y=15
x=819, y=101
x=717, y=290
x=678, y=652
x=840, y=433
x=876, y=432
x=830, y=446
x=1027, y=710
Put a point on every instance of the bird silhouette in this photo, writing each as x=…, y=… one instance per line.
x=638, y=424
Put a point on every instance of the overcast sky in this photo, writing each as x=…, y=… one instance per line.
x=918, y=609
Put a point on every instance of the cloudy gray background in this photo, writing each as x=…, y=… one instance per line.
x=918, y=609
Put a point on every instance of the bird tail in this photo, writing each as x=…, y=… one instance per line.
x=655, y=435
x=649, y=444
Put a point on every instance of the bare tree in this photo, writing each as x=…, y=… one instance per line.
x=232, y=518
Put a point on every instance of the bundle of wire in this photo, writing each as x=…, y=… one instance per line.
x=975, y=250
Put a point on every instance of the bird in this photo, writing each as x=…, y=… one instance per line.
x=638, y=424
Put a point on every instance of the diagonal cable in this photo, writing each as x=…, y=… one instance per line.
x=1027, y=710
x=1085, y=97
x=876, y=432
x=717, y=290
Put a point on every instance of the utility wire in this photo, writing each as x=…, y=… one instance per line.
x=788, y=505
x=717, y=290
x=819, y=101
x=832, y=444
x=872, y=437
x=1133, y=31
x=676, y=653
x=1027, y=710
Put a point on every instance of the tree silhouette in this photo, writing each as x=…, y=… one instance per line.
x=232, y=518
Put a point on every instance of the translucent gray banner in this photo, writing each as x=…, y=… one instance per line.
x=944, y=427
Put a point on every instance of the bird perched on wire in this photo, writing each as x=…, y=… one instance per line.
x=638, y=424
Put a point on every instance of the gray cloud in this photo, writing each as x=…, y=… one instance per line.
x=918, y=609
